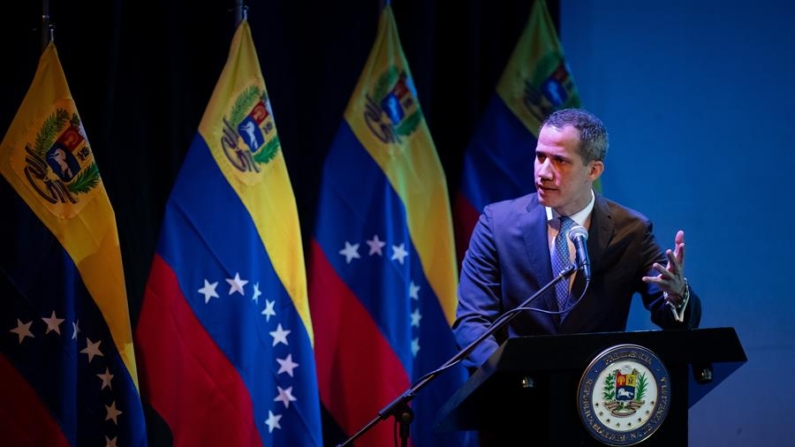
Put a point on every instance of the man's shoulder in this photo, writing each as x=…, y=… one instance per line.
x=517, y=204
x=618, y=212
x=521, y=202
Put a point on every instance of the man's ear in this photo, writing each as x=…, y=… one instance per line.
x=596, y=170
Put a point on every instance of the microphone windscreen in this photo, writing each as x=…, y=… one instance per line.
x=578, y=231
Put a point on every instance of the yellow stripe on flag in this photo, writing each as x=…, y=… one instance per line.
x=46, y=158
x=255, y=169
x=537, y=57
x=401, y=144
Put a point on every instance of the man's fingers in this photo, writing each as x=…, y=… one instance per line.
x=673, y=262
x=681, y=255
x=665, y=271
x=679, y=248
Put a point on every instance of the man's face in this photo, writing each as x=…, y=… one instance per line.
x=563, y=181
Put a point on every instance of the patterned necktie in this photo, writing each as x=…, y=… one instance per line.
x=561, y=260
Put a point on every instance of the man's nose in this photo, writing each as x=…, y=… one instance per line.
x=544, y=169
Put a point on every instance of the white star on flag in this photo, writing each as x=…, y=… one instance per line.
x=399, y=252
x=75, y=329
x=22, y=330
x=236, y=284
x=287, y=365
x=106, y=378
x=285, y=396
x=268, y=311
x=414, y=291
x=273, y=421
x=257, y=293
x=92, y=349
x=279, y=335
x=415, y=346
x=209, y=291
x=416, y=317
x=113, y=413
x=110, y=442
x=376, y=246
x=53, y=323
x=350, y=252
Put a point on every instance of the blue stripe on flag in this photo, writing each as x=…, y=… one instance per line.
x=204, y=213
x=355, y=183
x=40, y=278
x=501, y=148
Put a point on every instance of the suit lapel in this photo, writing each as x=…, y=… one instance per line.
x=534, y=229
x=599, y=235
x=601, y=231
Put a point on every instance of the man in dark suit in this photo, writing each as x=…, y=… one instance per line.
x=512, y=251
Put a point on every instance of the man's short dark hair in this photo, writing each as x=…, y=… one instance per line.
x=593, y=135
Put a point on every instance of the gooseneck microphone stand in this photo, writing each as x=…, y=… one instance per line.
x=399, y=408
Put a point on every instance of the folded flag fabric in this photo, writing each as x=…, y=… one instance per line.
x=68, y=373
x=382, y=272
x=224, y=335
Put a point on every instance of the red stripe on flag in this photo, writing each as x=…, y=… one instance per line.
x=465, y=216
x=184, y=375
x=358, y=372
x=24, y=419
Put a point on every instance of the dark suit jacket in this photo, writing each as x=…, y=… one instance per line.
x=508, y=260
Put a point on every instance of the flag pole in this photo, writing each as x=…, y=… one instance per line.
x=46, y=31
x=240, y=13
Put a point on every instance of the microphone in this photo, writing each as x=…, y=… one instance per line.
x=579, y=236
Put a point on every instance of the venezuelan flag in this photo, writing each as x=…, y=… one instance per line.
x=224, y=334
x=67, y=370
x=498, y=163
x=382, y=271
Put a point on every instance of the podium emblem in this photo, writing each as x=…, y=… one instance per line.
x=624, y=395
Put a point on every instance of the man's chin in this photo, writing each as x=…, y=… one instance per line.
x=544, y=197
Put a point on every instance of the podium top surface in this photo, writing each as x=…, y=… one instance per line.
x=575, y=351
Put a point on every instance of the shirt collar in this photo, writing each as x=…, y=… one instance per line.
x=580, y=217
